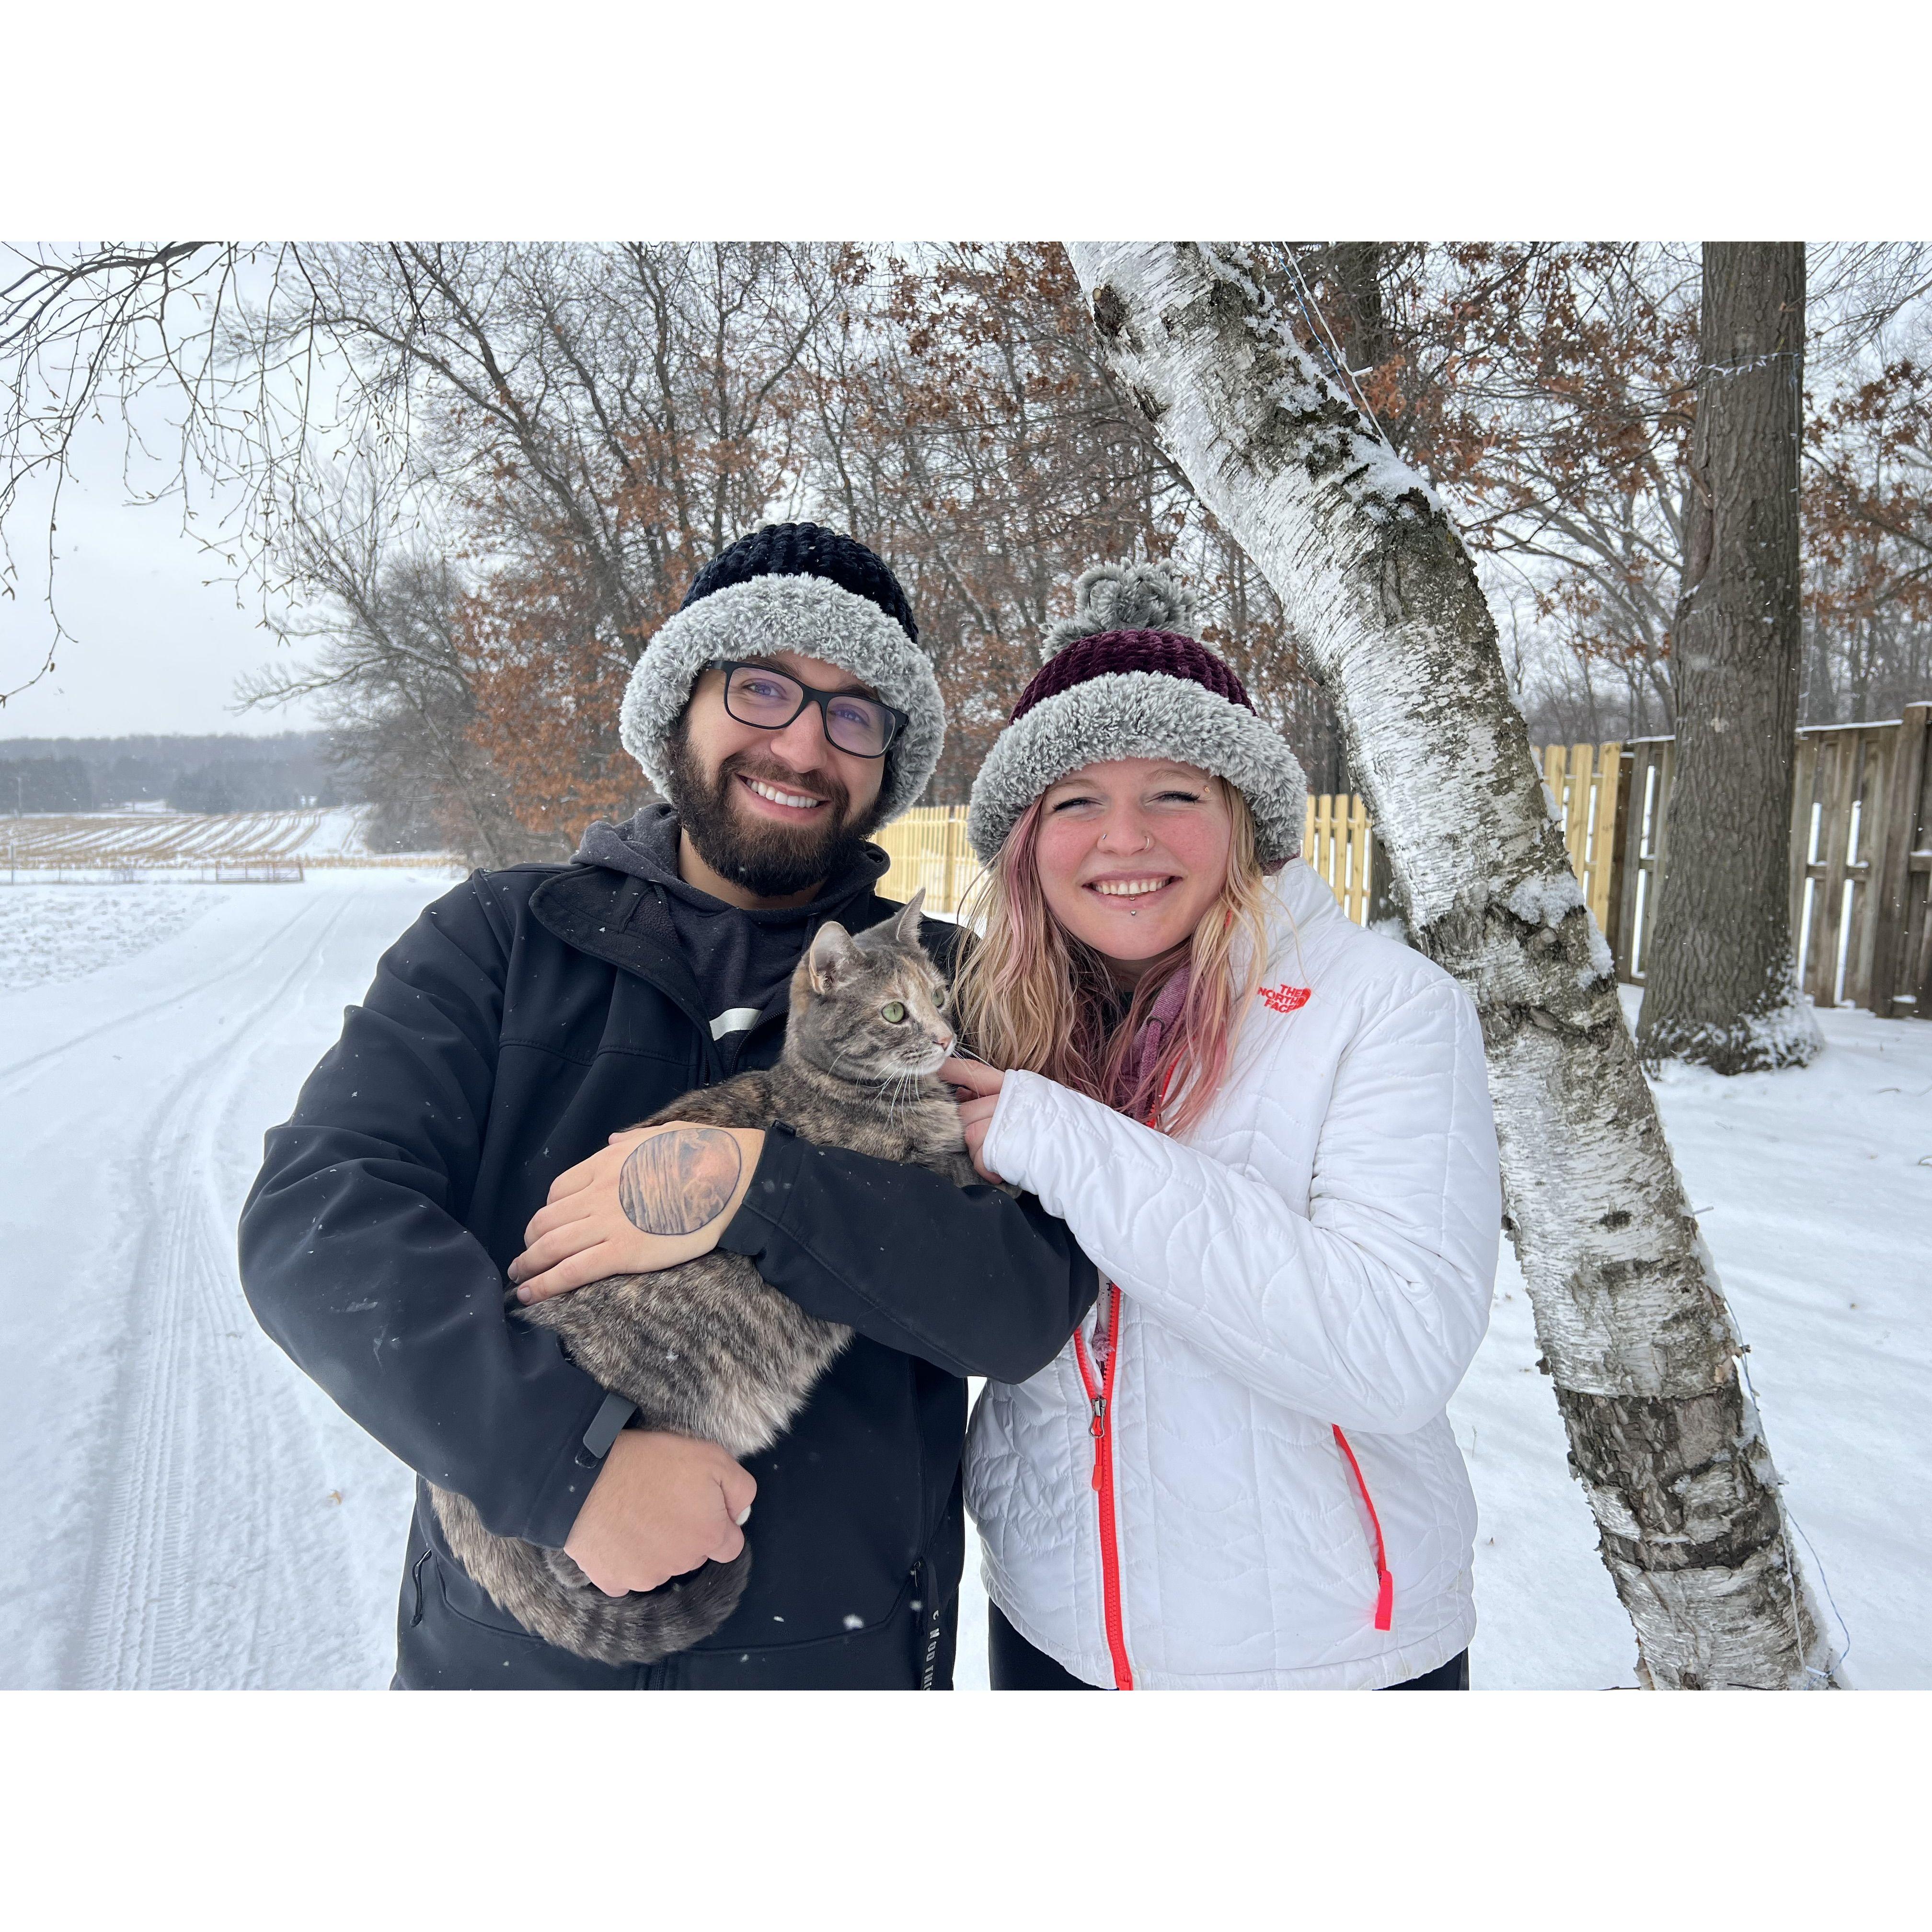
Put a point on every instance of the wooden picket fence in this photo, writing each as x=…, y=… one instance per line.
x=928, y=848
x=1339, y=842
x=1861, y=853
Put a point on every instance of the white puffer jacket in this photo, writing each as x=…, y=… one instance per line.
x=1318, y=1253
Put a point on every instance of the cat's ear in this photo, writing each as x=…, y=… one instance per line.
x=905, y=928
x=832, y=956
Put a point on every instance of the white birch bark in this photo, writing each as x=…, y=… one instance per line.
x=1632, y=1324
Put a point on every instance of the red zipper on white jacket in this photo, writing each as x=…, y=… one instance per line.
x=1100, y=1400
x=1384, y=1582
x=1100, y=1389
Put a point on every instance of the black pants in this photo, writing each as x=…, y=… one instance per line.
x=1014, y=1664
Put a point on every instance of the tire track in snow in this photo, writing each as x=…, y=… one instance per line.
x=185, y=1556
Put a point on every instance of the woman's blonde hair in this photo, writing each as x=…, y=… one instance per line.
x=1031, y=995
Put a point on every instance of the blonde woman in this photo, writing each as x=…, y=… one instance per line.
x=1270, y=1129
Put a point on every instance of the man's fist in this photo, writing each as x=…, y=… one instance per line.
x=662, y=1505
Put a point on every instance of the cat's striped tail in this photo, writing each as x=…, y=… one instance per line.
x=553, y=1599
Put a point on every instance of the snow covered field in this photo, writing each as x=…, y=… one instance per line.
x=182, y=1508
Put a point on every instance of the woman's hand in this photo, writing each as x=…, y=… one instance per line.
x=655, y=1197
x=982, y=1084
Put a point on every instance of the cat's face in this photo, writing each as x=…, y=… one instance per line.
x=871, y=1008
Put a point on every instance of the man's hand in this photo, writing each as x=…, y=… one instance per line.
x=982, y=1084
x=662, y=1505
x=655, y=1196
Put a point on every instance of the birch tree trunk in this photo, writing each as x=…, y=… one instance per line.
x=1633, y=1327
x=1720, y=983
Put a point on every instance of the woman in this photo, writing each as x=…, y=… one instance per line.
x=1270, y=1129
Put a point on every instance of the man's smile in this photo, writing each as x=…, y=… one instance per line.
x=777, y=802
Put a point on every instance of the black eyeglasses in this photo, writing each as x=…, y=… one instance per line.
x=756, y=694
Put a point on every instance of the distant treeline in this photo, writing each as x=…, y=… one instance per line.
x=225, y=772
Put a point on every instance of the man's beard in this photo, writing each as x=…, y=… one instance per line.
x=770, y=859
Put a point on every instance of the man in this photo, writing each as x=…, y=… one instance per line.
x=530, y=1015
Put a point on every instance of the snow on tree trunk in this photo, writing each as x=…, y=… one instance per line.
x=1632, y=1325
x=1720, y=984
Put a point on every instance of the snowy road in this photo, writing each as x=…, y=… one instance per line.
x=182, y=1508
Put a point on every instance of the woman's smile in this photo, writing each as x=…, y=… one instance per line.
x=1140, y=888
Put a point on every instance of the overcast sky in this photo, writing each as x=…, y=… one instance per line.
x=153, y=649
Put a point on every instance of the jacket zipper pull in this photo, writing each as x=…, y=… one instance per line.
x=1097, y=1429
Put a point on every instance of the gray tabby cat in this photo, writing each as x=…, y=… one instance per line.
x=705, y=1348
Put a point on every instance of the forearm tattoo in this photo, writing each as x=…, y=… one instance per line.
x=674, y=1183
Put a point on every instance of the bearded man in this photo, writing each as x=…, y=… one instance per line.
x=512, y=1034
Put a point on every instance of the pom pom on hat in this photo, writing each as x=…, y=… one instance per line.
x=1124, y=597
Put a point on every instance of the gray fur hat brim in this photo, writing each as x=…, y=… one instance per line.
x=1140, y=715
x=817, y=619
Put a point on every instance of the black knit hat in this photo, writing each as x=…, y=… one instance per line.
x=793, y=587
x=805, y=550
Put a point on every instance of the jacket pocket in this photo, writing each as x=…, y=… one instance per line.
x=888, y=1655
x=443, y=1642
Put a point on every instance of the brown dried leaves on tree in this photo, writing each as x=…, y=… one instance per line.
x=1868, y=546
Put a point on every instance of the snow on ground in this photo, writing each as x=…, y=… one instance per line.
x=1814, y=1190
x=182, y=1507
x=49, y=933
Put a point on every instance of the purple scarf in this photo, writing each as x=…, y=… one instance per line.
x=1146, y=1053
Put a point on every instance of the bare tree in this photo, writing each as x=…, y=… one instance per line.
x=1550, y=389
x=96, y=328
x=583, y=425
x=1868, y=535
x=394, y=681
x=1721, y=986
x=1633, y=1324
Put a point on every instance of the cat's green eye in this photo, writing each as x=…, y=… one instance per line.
x=892, y=1011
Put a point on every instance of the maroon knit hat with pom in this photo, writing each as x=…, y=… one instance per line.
x=1123, y=679
x=1168, y=653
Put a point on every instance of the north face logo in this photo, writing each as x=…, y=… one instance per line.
x=1285, y=999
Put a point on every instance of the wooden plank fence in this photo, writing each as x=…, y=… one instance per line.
x=1584, y=782
x=1861, y=853
x=928, y=848
x=1861, y=826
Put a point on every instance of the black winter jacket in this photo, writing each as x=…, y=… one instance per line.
x=524, y=1017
